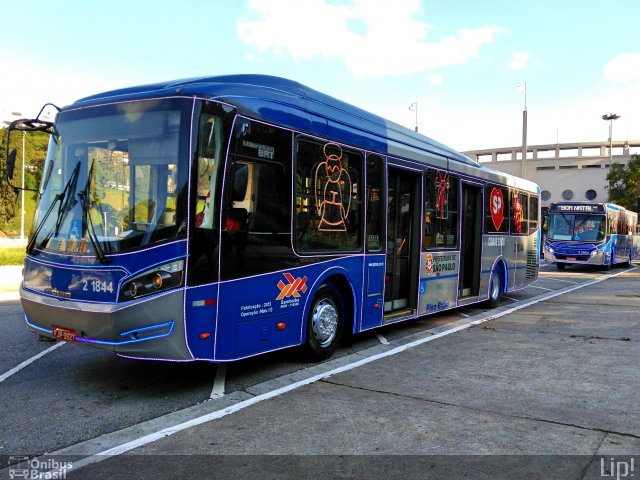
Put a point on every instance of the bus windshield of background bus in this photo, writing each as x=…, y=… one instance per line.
x=578, y=227
x=113, y=177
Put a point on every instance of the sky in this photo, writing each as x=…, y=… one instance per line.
x=461, y=61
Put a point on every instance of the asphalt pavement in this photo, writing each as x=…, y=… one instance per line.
x=546, y=389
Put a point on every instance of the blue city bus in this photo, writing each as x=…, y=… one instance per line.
x=588, y=233
x=220, y=218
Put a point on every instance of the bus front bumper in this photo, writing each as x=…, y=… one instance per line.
x=141, y=329
x=597, y=259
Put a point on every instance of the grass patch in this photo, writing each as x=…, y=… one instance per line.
x=12, y=256
x=12, y=227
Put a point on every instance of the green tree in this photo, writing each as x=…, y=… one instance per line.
x=7, y=197
x=35, y=147
x=624, y=182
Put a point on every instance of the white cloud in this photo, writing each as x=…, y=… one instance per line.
x=624, y=67
x=518, y=61
x=368, y=36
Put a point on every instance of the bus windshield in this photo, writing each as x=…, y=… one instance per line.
x=112, y=179
x=579, y=227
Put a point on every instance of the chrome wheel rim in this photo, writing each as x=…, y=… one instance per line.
x=494, y=289
x=324, y=322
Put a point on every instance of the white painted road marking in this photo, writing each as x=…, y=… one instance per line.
x=542, y=288
x=28, y=362
x=218, y=384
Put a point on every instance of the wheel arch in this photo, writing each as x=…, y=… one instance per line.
x=501, y=265
x=343, y=286
x=336, y=278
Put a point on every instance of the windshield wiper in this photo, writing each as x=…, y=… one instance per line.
x=65, y=199
x=87, y=223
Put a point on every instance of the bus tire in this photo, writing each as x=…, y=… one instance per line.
x=495, y=288
x=560, y=266
x=325, y=324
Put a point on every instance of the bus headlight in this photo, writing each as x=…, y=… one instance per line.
x=598, y=251
x=156, y=279
x=549, y=249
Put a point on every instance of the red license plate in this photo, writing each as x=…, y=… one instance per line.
x=66, y=334
x=571, y=258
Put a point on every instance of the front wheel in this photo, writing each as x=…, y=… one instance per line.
x=560, y=266
x=324, y=324
x=495, y=288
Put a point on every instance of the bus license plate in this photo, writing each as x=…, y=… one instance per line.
x=66, y=334
x=571, y=258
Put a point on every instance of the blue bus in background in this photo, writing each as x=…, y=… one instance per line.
x=224, y=217
x=586, y=233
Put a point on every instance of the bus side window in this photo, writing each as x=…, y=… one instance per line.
x=496, y=209
x=533, y=213
x=328, y=197
x=519, y=213
x=256, y=218
x=375, y=203
x=612, y=221
x=440, y=210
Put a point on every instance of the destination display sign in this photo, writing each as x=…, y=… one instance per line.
x=576, y=208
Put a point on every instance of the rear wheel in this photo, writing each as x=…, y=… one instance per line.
x=495, y=288
x=324, y=324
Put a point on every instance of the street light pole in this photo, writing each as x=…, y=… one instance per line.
x=414, y=107
x=22, y=207
x=523, y=165
x=610, y=117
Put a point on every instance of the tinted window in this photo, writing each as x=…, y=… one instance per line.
x=328, y=197
x=214, y=129
x=375, y=203
x=496, y=209
x=534, y=218
x=519, y=213
x=256, y=221
x=440, y=210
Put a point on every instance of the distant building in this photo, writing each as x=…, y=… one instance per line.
x=565, y=171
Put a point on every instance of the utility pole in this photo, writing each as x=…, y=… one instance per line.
x=610, y=118
x=523, y=165
x=22, y=193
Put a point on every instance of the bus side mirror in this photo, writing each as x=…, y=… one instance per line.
x=11, y=163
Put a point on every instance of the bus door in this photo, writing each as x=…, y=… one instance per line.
x=403, y=245
x=471, y=242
